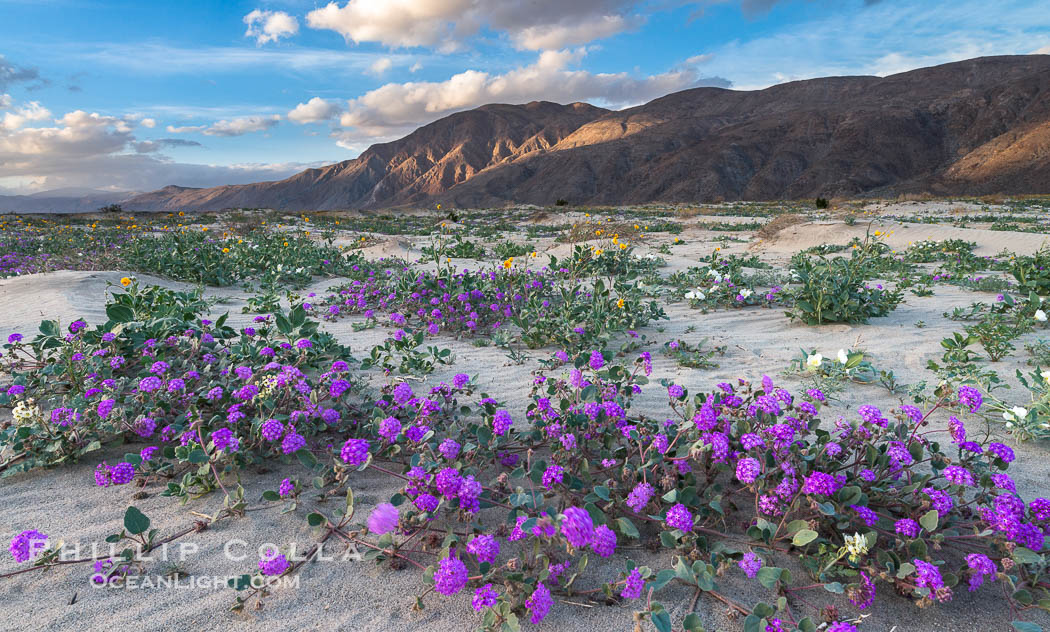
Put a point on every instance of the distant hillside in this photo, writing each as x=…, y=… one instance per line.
x=71, y=200
x=972, y=127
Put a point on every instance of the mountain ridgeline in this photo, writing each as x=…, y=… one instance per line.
x=974, y=127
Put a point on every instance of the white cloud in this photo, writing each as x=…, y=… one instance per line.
x=416, y=67
x=31, y=111
x=399, y=107
x=148, y=122
x=315, y=110
x=553, y=36
x=696, y=60
x=534, y=25
x=241, y=126
x=1041, y=51
x=270, y=26
x=233, y=127
x=380, y=66
x=5, y=101
x=82, y=149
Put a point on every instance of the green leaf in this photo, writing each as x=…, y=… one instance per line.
x=1026, y=556
x=120, y=313
x=768, y=576
x=807, y=625
x=662, y=621
x=692, y=623
x=804, y=537
x=307, y=458
x=1026, y=626
x=929, y=520
x=271, y=495
x=627, y=528
x=1023, y=597
x=197, y=456
x=661, y=579
x=315, y=520
x=135, y=521
x=834, y=587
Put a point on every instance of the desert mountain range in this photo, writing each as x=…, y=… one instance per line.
x=973, y=127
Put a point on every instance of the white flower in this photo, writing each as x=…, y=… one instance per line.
x=814, y=360
x=843, y=358
x=696, y=295
x=1040, y=315
x=746, y=292
x=856, y=545
x=1046, y=376
x=1016, y=413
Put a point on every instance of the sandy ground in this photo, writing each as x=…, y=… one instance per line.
x=350, y=595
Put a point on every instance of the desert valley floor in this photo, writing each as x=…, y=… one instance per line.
x=713, y=338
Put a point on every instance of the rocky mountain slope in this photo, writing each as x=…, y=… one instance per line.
x=966, y=128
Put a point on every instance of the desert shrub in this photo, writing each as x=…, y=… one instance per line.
x=271, y=258
x=1033, y=272
x=454, y=247
x=507, y=249
x=835, y=291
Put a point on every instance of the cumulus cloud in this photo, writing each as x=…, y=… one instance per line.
x=535, y=25
x=29, y=112
x=400, y=107
x=5, y=101
x=232, y=127
x=148, y=122
x=82, y=149
x=270, y=26
x=315, y=110
x=1042, y=51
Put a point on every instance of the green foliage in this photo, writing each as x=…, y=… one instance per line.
x=272, y=258
x=834, y=291
x=1033, y=272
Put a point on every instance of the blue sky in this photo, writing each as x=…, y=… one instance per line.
x=137, y=95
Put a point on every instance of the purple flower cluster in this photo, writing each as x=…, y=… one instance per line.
x=577, y=527
x=383, y=519
x=27, y=545
x=750, y=564
x=451, y=575
x=273, y=563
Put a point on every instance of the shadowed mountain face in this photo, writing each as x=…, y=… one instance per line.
x=966, y=128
